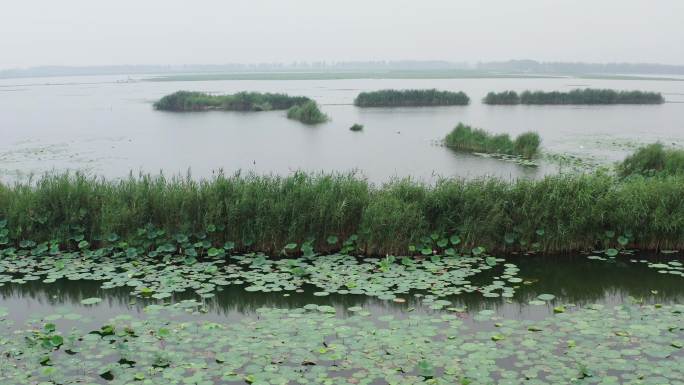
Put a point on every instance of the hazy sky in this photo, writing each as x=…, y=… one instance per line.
x=97, y=32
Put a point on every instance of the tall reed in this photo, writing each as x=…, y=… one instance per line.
x=411, y=98
x=578, y=96
x=466, y=138
x=653, y=159
x=557, y=213
x=241, y=101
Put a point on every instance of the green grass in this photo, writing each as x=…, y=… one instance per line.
x=560, y=213
x=653, y=159
x=356, y=127
x=242, y=101
x=411, y=98
x=307, y=113
x=466, y=138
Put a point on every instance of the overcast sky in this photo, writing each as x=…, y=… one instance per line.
x=103, y=32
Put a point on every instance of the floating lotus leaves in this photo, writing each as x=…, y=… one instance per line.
x=91, y=301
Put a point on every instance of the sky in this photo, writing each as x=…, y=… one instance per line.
x=176, y=32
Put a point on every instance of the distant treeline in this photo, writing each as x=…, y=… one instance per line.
x=466, y=138
x=524, y=67
x=533, y=66
x=242, y=101
x=579, y=96
x=411, y=98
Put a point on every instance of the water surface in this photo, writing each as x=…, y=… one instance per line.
x=107, y=125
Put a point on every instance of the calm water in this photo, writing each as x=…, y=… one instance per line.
x=109, y=128
x=574, y=281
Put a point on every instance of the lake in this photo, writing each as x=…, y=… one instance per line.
x=106, y=125
x=161, y=315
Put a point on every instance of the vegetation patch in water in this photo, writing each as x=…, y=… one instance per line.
x=502, y=98
x=653, y=159
x=591, y=96
x=242, y=101
x=578, y=96
x=307, y=113
x=356, y=127
x=622, y=344
x=466, y=138
x=411, y=98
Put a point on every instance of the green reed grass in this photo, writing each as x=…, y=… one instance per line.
x=557, y=214
x=307, y=113
x=466, y=138
x=653, y=159
x=411, y=98
x=578, y=96
x=241, y=101
x=502, y=98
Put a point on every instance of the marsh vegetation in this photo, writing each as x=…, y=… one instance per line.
x=411, y=98
x=578, y=96
x=653, y=159
x=263, y=213
x=467, y=138
x=307, y=113
x=241, y=101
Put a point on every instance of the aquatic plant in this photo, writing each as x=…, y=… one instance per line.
x=578, y=96
x=557, y=213
x=591, y=96
x=505, y=98
x=241, y=101
x=323, y=344
x=184, y=267
x=466, y=138
x=307, y=113
x=356, y=127
x=653, y=159
x=411, y=98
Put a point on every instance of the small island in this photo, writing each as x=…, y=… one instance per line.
x=411, y=98
x=307, y=113
x=241, y=101
x=466, y=138
x=587, y=96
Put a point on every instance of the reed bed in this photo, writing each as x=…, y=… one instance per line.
x=411, y=98
x=564, y=213
x=578, y=96
x=653, y=159
x=467, y=138
x=307, y=113
x=241, y=101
